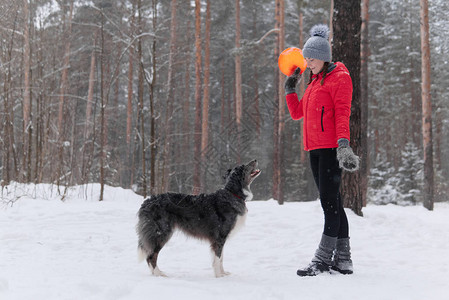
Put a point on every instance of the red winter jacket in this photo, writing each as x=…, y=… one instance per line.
x=325, y=108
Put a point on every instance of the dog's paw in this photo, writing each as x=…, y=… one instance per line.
x=222, y=274
x=158, y=273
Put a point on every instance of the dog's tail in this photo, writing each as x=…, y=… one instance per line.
x=141, y=253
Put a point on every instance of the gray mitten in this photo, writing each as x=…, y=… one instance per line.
x=291, y=81
x=347, y=159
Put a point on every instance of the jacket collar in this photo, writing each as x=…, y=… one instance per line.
x=331, y=67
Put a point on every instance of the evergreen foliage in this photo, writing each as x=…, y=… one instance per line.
x=394, y=130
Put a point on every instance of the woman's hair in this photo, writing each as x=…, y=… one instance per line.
x=323, y=70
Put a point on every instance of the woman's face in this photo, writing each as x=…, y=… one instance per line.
x=315, y=65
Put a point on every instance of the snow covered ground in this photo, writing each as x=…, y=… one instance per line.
x=85, y=249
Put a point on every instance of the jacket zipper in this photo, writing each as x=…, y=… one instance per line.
x=322, y=115
x=305, y=137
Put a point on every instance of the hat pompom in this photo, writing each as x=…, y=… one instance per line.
x=321, y=30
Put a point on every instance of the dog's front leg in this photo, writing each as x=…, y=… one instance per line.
x=218, y=266
x=217, y=252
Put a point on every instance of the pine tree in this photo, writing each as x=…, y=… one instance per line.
x=410, y=175
x=346, y=48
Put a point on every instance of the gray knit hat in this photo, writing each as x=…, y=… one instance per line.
x=317, y=46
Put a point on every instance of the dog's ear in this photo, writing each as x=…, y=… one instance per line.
x=227, y=174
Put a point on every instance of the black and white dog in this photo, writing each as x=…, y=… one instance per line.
x=210, y=217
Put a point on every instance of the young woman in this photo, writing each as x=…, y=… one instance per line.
x=326, y=107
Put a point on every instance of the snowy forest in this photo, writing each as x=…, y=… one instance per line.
x=166, y=95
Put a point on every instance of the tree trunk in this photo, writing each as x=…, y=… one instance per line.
x=27, y=94
x=205, y=116
x=72, y=155
x=114, y=108
x=365, y=53
x=238, y=79
x=331, y=22
x=130, y=84
x=255, y=82
x=90, y=93
x=280, y=106
x=197, y=155
x=281, y=100
x=129, y=106
x=169, y=102
x=223, y=98
x=275, y=188
x=426, y=108
x=152, y=113
x=62, y=91
x=438, y=137
x=102, y=112
x=346, y=48
x=39, y=127
x=303, y=154
x=186, y=96
x=10, y=162
x=88, y=143
x=140, y=91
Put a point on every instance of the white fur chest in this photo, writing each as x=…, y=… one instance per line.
x=248, y=194
x=239, y=223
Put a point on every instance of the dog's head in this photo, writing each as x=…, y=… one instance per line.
x=238, y=179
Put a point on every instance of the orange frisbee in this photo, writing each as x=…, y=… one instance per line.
x=290, y=59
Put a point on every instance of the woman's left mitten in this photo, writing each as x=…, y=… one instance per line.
x=347, y=159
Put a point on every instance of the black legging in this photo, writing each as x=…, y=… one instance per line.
x=327, y=175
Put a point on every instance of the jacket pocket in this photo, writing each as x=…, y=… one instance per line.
x=322, y=117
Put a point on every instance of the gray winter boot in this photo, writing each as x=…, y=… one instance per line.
x=322, y=261
x=342, y=259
